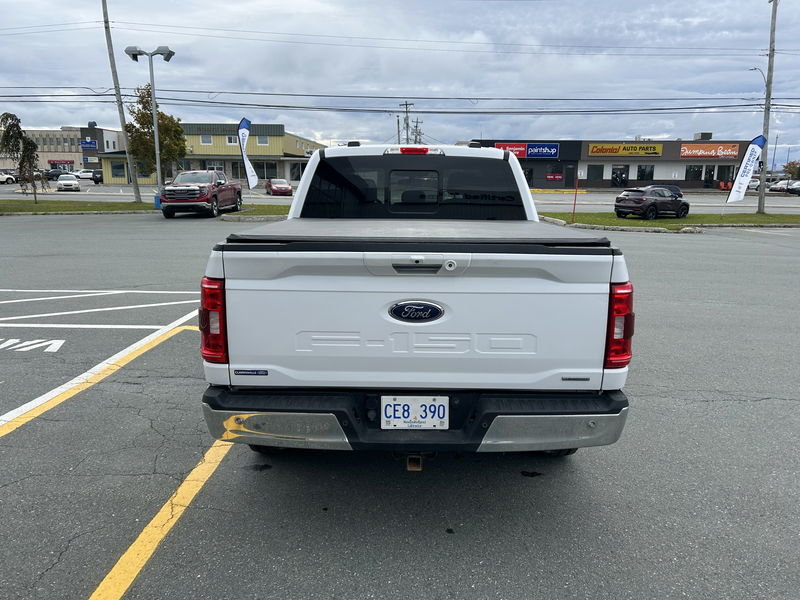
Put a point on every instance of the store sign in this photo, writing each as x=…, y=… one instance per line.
x=542, y=150
x=637, y=149
x=555, y=177
x=709, y=150
x=518, y=150
x=61, y=162
x=530, y=150
x=88, y=144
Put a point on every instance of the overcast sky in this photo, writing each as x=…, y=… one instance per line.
x=474, y=57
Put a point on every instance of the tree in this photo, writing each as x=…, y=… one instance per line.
x=22, y=150
x=792, y=169
x=172, y=144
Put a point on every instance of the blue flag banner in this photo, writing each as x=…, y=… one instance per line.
x=244, y=133
x=746, y=169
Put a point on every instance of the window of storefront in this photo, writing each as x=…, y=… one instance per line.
x=142, y=170
x=117, y=168
x=184, y=165
x=594, y=173
x=296, y=170
x=214, y=165
x=264, y=169
x=555, y=172
x=645, y=172
x=694, y=172
x=725, y=173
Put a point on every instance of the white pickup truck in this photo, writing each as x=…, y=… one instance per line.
x=413, y=302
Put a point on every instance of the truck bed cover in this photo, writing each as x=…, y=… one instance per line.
x=342, y=232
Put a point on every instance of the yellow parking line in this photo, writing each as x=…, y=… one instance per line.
x=130, y=564
x=39, y=410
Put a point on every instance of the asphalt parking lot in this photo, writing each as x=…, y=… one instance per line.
x=111, y=486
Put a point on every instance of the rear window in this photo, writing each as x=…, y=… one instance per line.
x=401, y=186
x=632, y=193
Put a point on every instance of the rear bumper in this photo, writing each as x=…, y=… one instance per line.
x=481, y=421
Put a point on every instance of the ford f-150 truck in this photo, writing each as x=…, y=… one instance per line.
x=206, y=192
x=413, y=302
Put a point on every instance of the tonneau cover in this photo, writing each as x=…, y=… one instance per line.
x=405, y=230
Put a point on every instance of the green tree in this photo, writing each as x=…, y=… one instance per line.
x=15, y=144
x=792, y=169
x=172, y=144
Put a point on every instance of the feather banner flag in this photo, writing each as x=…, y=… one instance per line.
x=244, y=133
x=749, y=162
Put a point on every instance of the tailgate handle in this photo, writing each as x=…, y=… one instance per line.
x=417, y=269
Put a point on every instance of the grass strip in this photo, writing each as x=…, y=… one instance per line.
x=611, y=220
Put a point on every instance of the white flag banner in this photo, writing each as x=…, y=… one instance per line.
x=244, y=133
x=749, y=162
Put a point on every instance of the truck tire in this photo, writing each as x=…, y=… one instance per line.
x=214, y=211
x=168, y=214
x=238, y=206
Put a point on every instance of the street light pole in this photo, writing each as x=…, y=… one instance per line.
x=135, y=52
x=155, y=121
x=767, y=106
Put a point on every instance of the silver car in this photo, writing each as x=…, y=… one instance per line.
x=68, y=182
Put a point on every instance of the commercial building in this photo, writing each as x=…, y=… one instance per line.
x=70, y=148
x=701, y=162
x=272, y=151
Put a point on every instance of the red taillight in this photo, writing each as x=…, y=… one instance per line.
x=213, y=338
x=620, y=326
x=413, y=150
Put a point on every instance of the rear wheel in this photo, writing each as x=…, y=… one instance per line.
x=238, y=206
x=621, y=215
x=651, y=213
x=214, y=210
x=683, y=211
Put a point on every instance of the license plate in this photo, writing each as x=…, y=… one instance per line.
x=415, y=412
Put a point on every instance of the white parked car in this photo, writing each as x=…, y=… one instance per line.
x=68, y=182
x=753, y=184
x=83, y=173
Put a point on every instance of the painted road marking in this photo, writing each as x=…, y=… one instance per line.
x=94, y=310
x=20, y=346
x=18, y=417
x=77, y=326
x=89, y=295
x=131, y=563
x=95, y=291
x=767, y=232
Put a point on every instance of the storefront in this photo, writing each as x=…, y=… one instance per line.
x=554, y=164
x=547, y=164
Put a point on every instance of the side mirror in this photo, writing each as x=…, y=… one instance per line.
x=168, y=182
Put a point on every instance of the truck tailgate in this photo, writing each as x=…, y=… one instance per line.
x=312, y=303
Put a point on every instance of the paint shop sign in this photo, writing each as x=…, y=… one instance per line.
x=527, y=150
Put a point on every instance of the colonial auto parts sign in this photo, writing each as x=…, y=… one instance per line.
x=709, y=150
x=636, y=149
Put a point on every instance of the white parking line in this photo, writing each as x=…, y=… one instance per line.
x=94, y=310
x=767, y=232
x=87, y=376
x=89, y=295
x=97, y=291
x=77, y=326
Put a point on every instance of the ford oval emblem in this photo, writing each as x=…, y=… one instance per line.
x=416, y=311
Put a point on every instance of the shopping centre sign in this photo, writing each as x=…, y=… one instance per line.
x=526, y=150
x=709, y=150
x=645, y=149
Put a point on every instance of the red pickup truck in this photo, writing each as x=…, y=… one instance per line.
x=200, y=191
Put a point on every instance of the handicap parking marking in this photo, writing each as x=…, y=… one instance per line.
x=18, y=345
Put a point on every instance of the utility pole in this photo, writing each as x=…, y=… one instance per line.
x=417, y=131
x=767, y=106
x=137, y=197
x=398, y=129
x=407, y=106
